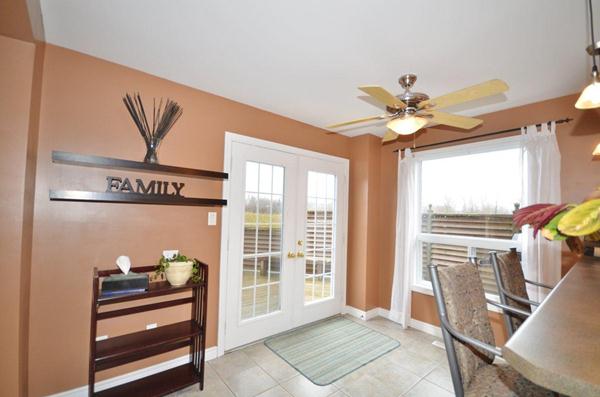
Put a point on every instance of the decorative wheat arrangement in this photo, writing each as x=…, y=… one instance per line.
x=163, y=119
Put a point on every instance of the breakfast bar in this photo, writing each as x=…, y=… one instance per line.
x=558, y=346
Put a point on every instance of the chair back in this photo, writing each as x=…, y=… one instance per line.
x=510, y=278
x=461, y=298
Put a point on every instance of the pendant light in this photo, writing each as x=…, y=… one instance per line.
x=590, y=97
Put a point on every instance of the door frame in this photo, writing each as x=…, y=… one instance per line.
x=230, y=138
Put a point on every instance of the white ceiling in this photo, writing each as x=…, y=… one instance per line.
x=304, y=59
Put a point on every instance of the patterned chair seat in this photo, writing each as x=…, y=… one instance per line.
x=500, y=380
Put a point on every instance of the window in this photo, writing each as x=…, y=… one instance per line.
x=467, y=195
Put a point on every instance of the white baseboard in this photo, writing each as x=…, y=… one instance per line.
x=211, y=353
x=395, y=317
x=363, y=315
x=426, y=327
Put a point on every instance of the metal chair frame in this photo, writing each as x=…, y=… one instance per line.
x=503, y=294
x=449, y=332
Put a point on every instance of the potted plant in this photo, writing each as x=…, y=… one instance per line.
x=178, y=269
x=565, y=222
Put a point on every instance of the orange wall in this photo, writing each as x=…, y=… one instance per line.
x=16, y=81
x=363, y=215
x=579, y=175
x=82, y=112
x=14, y=20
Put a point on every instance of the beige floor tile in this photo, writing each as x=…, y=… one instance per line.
x=441, y=377
x=276, y=391
x=231, y=364
x=299, y=386
x=213, y=387
x=426, y=349
x=249, y=382
x=413, y=362
x=277, y=368
x=259, y=352
x=365, y=385
x=338, y=393
x=397, y=380
x=427, y=389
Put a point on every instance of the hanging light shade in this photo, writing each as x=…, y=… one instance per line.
x=596, y=153
x=406, y=125
x=590, y=97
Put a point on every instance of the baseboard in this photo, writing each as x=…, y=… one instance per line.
x=211, y=353
x=395, y=317
x=363, y=315
x=426, y=327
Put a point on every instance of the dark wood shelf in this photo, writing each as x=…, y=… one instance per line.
x=112, y=163
x=158, y=288
x=123, y=349
x=132, y=198
x=159, y=384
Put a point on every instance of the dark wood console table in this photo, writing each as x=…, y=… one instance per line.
x=124, y=349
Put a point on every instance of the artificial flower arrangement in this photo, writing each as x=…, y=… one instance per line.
x=564, y=222
x=178, y=268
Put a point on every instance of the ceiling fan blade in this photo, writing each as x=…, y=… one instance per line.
x=382, y=96
x=389, y=136
x=381, y=117
x=453, y=120
x=478, y=91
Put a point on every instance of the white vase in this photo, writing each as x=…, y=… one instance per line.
x=178, y=273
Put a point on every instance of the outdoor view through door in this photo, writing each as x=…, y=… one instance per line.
x=262, y=239
x=320, y=235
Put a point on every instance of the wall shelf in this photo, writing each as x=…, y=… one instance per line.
x=132, y=198
x=85, y=160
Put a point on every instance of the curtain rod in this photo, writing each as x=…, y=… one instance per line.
x=561, y=121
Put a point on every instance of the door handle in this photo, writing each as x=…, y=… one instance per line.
x=291, y=255
x=300, y=254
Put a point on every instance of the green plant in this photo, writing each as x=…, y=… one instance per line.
x=163, y=265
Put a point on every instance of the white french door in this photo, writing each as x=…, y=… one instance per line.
x=285, y=254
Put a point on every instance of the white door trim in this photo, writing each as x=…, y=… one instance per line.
x=231, y=137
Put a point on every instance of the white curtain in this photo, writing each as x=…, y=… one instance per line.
x=407, y=226
x=541, y=184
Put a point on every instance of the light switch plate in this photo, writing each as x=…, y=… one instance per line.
x=212, y=218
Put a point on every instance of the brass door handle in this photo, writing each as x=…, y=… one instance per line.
x=291, y=254
x=300, y=254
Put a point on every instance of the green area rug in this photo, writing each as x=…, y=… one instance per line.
x=326, y=351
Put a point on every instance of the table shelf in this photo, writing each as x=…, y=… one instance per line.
x=159, y=384
x=132, y=347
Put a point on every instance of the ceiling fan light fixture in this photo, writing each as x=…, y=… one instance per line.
x=406, y=125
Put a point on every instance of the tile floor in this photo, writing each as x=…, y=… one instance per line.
x=416, y=368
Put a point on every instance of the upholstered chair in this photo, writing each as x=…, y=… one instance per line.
x=468, y=337
x=512, y=287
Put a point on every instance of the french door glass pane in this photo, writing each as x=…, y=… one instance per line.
x=320, y=236
x=261, y=267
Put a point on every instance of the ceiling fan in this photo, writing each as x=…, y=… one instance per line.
x=411, y=111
